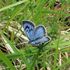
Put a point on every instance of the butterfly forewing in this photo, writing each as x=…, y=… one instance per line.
x=39, y=32
x=29, y=29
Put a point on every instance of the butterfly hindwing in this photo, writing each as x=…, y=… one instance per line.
x=40, y=41
x=29, y=29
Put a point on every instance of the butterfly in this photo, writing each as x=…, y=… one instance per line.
x=36, y=35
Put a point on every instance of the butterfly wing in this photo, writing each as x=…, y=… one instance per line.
x=40, y=41
x=29, y=29
x=40, y=36
x=39, y=32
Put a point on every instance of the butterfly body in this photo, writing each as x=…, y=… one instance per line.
x=36, y=35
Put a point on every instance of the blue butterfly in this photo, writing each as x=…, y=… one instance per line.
x=36, y=35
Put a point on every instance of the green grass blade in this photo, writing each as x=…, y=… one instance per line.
x=6, y=61
x=12, y=5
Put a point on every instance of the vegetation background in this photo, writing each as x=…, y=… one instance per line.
x=16, y=54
